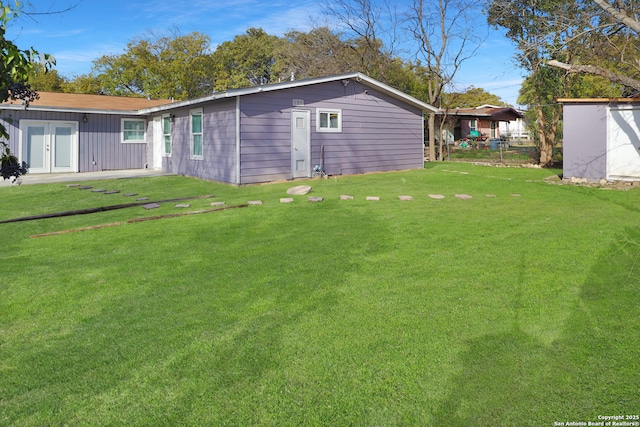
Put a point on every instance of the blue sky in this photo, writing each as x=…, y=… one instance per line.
x=98, y=27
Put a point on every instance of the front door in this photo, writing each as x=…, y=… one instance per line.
x=49, y=146
x=300, y=144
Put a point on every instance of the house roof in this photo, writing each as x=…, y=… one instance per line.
x=500, y=114
x=74, y=102
x=345, y=78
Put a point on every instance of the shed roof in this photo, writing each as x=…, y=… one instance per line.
x=75, y=102
x=598, y=100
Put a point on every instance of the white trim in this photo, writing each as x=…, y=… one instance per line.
x=238, y=165
x=194, y=112
x=164, y=149
x=320, y=111
x=133, y=141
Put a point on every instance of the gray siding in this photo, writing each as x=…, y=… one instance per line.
x=98, y=139
x=379, y=133
x=219, y=143
x=584, y=141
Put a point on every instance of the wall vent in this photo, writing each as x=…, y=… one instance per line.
x=298, y=102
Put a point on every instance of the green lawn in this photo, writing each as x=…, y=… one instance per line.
x=494, y=311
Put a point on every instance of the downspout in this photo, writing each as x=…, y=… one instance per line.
x=238, y=140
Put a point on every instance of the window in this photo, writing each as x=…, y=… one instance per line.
x=196, y=134
x=166, y=134
x=473, y=125
x=329, y=120
x=133, y=130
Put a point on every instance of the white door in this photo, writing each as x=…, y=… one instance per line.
x=623, y=144
x=158, y=142
x=49, y=146
x=300, y=144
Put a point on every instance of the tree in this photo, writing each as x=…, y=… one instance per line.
x=446, y=36
x=42, y=79
x=472, y=97
x=610, y=45
x=15, y=67
x=249, y=59
x=540, y=28
x=177, y=66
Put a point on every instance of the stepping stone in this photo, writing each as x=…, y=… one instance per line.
x=286, y=199
x=405, y=197
x=316, y=199
x=463, y=173
x=130, y=194
x=73, y=185
x=151, y=206
x=255, y=202
x=98, y=190
x=85, y=187
x=515, y=195
x=142, y=198
x=345, y=197
x=491, y=195
x=373, y=198
x=436, y=196
x=299, y=190
x=463, y=196
x=112, y=192
x=183, y=205
x=217, y=204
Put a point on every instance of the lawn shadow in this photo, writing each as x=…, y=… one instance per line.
x=590, y=370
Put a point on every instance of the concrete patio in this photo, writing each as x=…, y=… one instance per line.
x=82, y=176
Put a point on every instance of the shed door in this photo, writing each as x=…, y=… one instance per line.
x=300, y=144
x=49, y=146
x=623, y=144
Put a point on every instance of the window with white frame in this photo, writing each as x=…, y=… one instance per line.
x=328, y=120
x=197, y=148
x=133, y=130
x=166, y=134
x=473, y=125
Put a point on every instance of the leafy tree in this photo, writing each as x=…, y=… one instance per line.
x=320, y=52
x=609, y=46
x=43, y=79
x=16, y=65
x=249, y=59
x=541, y=28
x=178, y=67
x=472, y=97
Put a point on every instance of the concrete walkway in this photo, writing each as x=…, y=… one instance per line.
x=48, y=178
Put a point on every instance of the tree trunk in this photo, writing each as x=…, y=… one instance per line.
x=432, y=137
x=546, y=140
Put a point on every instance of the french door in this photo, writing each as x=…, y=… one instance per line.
x=49, y=146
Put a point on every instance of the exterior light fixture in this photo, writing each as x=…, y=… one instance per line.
x=85, y=119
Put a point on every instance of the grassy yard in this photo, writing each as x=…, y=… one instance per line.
x=514, y=310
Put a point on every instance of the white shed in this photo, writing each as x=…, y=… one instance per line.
x=601, y=139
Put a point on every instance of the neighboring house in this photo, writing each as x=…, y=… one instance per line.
x=601, y=139
x=483, y=121
x=342, y=124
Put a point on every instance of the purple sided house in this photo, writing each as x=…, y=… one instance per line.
x=344, y=124
x=601, y=139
